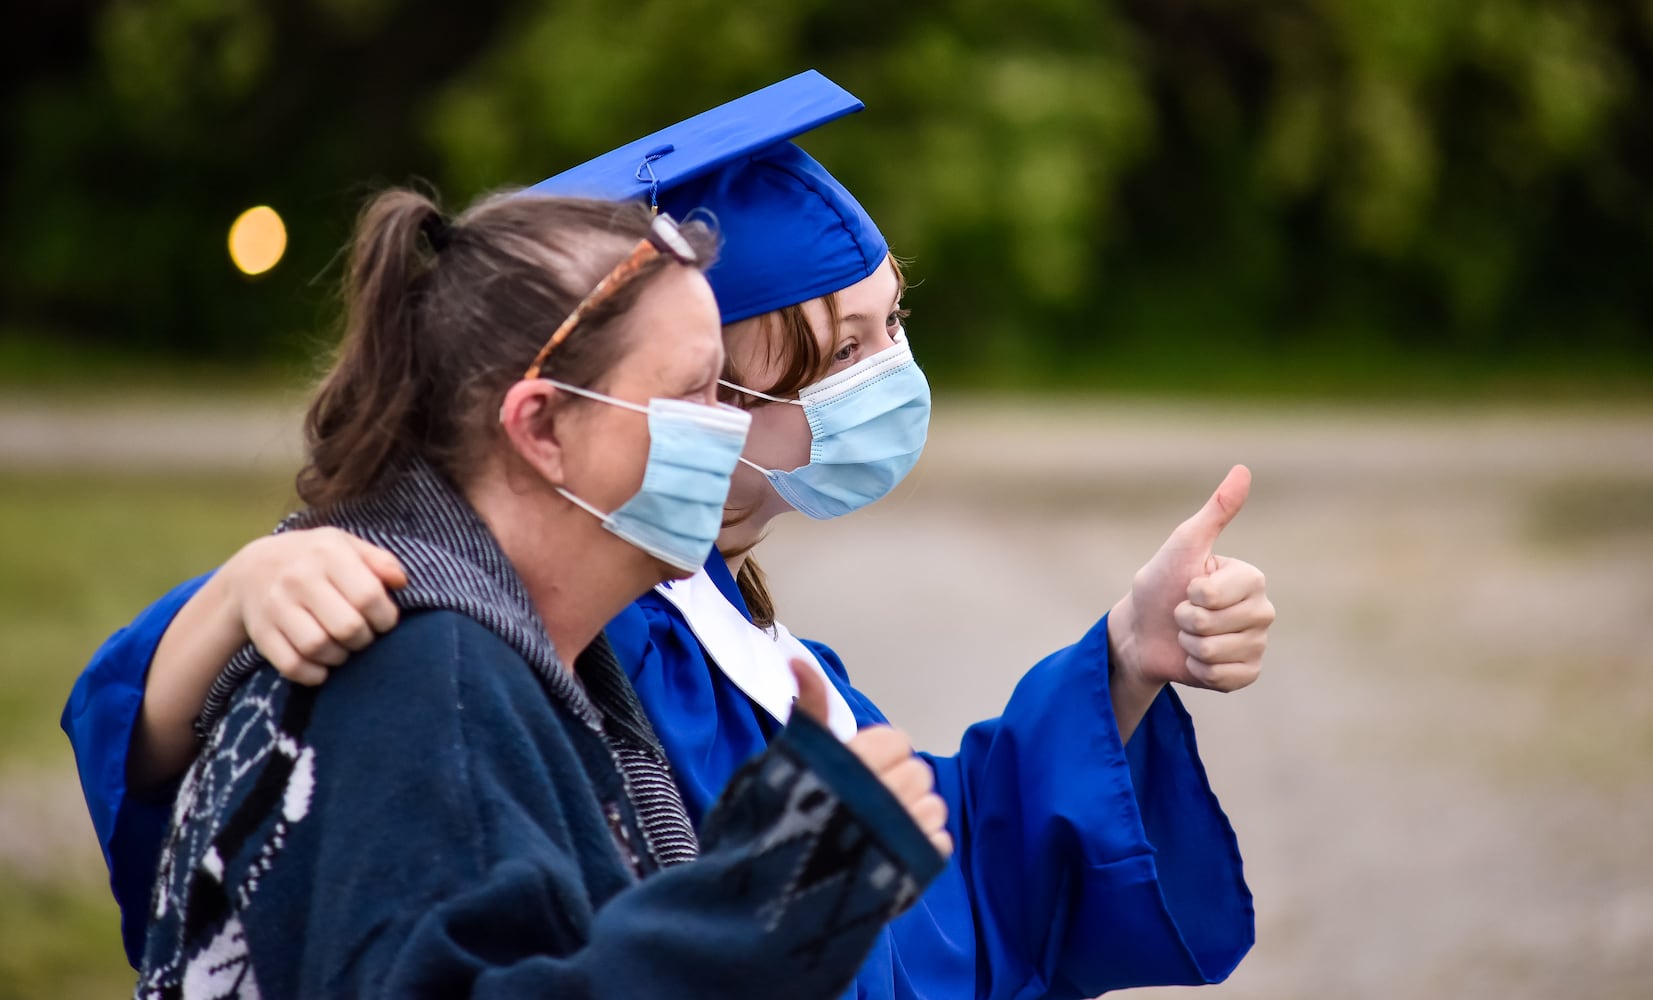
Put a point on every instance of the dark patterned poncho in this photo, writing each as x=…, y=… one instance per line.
x=454, y=815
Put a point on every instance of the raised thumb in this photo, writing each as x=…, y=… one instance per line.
x=812, y=695
x=1209, y=521
x=384, y=565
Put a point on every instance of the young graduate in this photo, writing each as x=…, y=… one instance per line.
x=481, y=808
x=1092, y=852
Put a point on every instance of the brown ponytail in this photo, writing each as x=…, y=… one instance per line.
x=754, y=590
x=364, y=413
x=436, y=329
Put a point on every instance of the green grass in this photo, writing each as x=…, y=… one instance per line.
x=61, y=940
x=79, y=556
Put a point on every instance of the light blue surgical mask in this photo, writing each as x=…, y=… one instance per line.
x=678, y=512
x=868, y=422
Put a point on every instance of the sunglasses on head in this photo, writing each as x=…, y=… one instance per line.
x=663, y=237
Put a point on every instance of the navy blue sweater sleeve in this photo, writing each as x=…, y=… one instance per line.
x=99, y=718
x=486, y=868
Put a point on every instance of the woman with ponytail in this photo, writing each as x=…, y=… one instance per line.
x=482, y=808
x=1093, y=854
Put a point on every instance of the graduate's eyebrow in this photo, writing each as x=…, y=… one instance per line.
x=864, y=318
x=861, y=317
x=900, y=293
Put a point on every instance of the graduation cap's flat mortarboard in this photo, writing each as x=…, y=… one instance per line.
x=790, y=231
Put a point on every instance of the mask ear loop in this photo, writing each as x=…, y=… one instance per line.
x=761, y=395
x=568, y=495
x=767, y=473
x=742, y=459
x=898, y=341
x=624, y=404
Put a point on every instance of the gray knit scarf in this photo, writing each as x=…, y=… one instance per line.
x=454, y=564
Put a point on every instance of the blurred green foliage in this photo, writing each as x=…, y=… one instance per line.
x=1092, y=189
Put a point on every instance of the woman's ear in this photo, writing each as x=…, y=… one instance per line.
x=530, y=417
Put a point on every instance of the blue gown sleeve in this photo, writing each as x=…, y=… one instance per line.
x=1082, y=865
x=99, y=718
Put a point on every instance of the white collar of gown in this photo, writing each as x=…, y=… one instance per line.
x=753, y=658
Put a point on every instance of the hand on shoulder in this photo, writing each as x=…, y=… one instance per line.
x=308, y=599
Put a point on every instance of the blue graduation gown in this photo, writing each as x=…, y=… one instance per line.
x=1082, y=866
x=100, y=717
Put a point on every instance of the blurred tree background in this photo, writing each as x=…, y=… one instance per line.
x=1286, y=193
x=1424, y=200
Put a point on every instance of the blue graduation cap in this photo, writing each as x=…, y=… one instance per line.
x=790, y=231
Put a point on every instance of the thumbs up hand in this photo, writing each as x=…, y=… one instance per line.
x=1194, y=617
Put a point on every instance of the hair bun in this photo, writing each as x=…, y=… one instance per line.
x=437, y=231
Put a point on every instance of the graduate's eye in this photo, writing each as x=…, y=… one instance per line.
x=894, y=321
x=846, y=352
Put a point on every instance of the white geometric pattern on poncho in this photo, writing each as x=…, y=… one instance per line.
x=214, y=792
